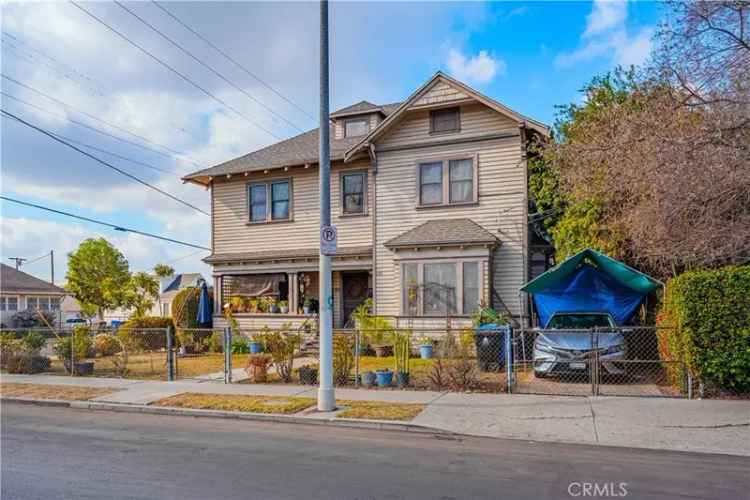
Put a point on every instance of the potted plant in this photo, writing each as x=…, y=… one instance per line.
x=308, y=375
x=384, y=377
x=368, y=378
x=273, y=306
x=256, y=342
x=426, y=347
x=307, y=306
x=284, y=306
x=401, y=356
x=257, y=367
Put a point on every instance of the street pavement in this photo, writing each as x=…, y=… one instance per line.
x=69, y=454
x=711, y=426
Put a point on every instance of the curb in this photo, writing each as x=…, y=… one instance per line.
x=236, y=415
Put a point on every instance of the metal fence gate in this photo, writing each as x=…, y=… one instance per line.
x=623, y=361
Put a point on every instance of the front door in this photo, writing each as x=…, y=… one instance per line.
x=356, y=290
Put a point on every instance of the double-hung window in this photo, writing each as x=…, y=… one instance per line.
x=353, y=192
x=440, y=288
x=447, y=182
x=269, y=201
x=8, y=303
x=43, y=303
x=357, y=127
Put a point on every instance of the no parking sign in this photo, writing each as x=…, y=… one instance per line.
x=329, y=237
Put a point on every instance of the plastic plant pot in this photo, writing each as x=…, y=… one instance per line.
x=368, y=379
x=385, y=378
x=425, y=351
x=255, y=347
x=402, y=379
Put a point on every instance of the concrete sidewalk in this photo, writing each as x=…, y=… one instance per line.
x=711, y=426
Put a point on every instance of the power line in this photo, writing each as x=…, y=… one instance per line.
x=176, y=72
x=94, y=129
x=113, y=226
x=92, y=117
x=97, y=87
x=109, y=165
x=205, y=65
x=230, y=58
x=31, y=261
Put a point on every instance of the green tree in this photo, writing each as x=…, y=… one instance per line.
x=142, y=291
x=163, y=270
x=98, y=275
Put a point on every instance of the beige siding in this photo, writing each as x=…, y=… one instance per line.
x=440, y=93
x=230, y=216
x=476, y=120
x=501, y=198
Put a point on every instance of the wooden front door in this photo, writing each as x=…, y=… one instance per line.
x=356, y=289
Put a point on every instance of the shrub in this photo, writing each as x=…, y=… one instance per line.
x=377, y=330
x=343, y=357
x=185, y=307
x=707, y=315
x=257, y=367
x=27, y=364
x=106, y=345
x=78, y=345
x=145, y=334
x=239, y=345
x=282, y=346
x=33, y=342
x=214, y=343
x=9, y=347
x=30, y=318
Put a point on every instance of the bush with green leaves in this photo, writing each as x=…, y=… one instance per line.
x=282, y=345
x=106, y=344
x=33, y=342
x=343, y=357
x=27, y=363
x=239, y=346
x=377, y=330
x=706, y=315
x=77, y=346
x=10, y=346
x=184, y=307
x=145, y=334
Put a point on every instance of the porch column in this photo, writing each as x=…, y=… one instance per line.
x=218, y=306
x=293, y=292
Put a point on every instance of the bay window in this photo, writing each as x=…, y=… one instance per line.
x=440, y=288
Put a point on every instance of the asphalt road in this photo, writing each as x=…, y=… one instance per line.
x=59, y=453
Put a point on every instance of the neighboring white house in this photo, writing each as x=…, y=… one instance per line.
x=20, y=291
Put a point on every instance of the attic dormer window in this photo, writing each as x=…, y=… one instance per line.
x=356, y=127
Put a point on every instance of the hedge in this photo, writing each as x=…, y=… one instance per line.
x=709, y=311
x=144, y=333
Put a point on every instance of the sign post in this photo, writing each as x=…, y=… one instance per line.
x=326, y=398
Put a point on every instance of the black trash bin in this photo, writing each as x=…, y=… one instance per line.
x=490, y=343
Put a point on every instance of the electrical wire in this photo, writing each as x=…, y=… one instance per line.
x=208, y=67
x=115, y=227
x=176, y=72
x=99, y=160
x=230, y=58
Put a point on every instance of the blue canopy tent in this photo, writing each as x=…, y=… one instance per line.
x=205, y=307
x=590, y=281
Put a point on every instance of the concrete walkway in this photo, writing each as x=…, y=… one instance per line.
x=711, y=426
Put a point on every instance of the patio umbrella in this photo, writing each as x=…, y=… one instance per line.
x=205, y=315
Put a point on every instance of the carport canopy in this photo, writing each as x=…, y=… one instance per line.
x=590, y=281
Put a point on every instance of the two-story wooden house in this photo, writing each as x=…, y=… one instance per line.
x=429, y=196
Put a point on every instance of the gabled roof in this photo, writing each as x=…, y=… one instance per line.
x=181, y=281
x=444, y=232
x=363, y=107
x=394, y=116
x=12, y=280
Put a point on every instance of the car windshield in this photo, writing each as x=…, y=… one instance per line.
x=581, y=320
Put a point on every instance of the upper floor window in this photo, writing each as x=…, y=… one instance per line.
x=447, y=182
x=357, y=127
x=353, y=192
x=269, y=201
x=445, y=120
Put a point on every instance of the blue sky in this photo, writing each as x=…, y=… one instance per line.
x=531, y=56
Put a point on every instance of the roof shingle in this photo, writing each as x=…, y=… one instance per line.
x=444, y=232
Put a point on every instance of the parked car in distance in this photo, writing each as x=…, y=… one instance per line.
x=569, y=351
x=75, y=321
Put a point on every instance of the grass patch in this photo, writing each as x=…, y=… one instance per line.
x=153, y=366
x=65, y=392
x=236, y=402
x=377, y=410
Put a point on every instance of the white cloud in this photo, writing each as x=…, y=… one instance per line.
x=606, y=35
x=480, y=68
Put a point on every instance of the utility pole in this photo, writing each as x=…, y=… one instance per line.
x=52, y=266
x=19, y=261
x=326, y=397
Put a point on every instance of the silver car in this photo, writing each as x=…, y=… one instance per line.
x=569, y=350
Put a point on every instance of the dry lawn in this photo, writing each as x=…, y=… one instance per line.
x=65, y=392
x=236, y=402
x=377, y=410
